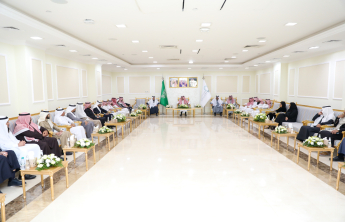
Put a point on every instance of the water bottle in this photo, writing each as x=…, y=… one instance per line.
x=22, y=163
x=329, y=142
x=27, y=163
x=273, y=119
x=41, y=154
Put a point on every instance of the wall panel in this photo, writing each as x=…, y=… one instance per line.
x=338, y=79
x=158, y=84
x=37, y=80
x=49, y=77
x=265, y=83
x=208, y=80
x=227, y=84
x=84, y=83
x=292, y=82
x=313, y=81
x=120, y=84
x=67, y=80
x=276, y=82
x=4, y=81
x=245, y=84
x=99, y=83
x=106, y=85
x=139, y=84
x=257, y=83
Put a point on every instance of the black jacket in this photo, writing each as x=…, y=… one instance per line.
x=292, y=115
x=90, y=114
x=342, y=127
x=96, y=111
x=325, y=123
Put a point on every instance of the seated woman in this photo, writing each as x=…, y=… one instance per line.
x=282, y=108
x=289, y=116
x=99, y=110
x=88, y=125
x=9, y=165
x=92, y=115
x=80, y=113
x=26, y=130
x=61, y=119
x=337, y=132
x=324, y=117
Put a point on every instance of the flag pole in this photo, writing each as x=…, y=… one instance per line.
x=203, y=77
x=161, y=104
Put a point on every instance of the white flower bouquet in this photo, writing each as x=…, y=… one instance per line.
x=237, y=111
x=230, y=106
x=313, y=141
x=84, y=143
x=47, y=161
x=260, y=117
x=183, y=106
x=139, y=112
x=142, y=106
x=197, y=106
x=244, y=114
x=120, y=118
x=280, y=130
x=134, y=114
x=104, y=130
x=168, y=106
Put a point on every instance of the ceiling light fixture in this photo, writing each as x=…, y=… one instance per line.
x=154, y=61
x=246, y=68
x=144, y=51
x=286, y=56
x=94, y=58
x=291, y=24
x=36, y=38
x=194, y=50
x=135, y=41
x=191, y=62
x=48, y=11
x=268, y=61
x=233, y=57
x=199, y=40
x=245, y=50
x=220, y=68
x=189, y=68
x=125, y=69
x=109, y=63
x=118, y=66
x=60, y=1
x=262, y=40
x=150, y=57
x=204, y=29
x=205, y=24
x=121, y=26
x=89, y=21
x=158, y=68
x=112, y=39
x=226, y=61
x=314, y=47
x=256, y=65
x=72, y=50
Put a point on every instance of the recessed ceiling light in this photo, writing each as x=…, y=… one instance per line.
x=150, y=57
x=286, y=56
x=245, y=50
x=220, y=68
x=255, y=65
x=226, y=61
x=109, y=63
x=121, y=26
x=125, y=69
x=205, y=24
x=154, y=61
x=262, y=40
x=118, y=66
x=89, y=21
x=246, y=68
x=60, y=45
x=135, y=41
x=112, y=39
x=158, y=68
x=190, y=61
x=94, y=58
x=268, y=61
x=189, y=68
x=36, y=38
x=194, y=50
x=314, y=47
x=144, y=51
x=204, y=29
x=199, y=40
x=233, y=57
x=60, y=1
x=72, y=50
x=48, y=11
x=290, y=24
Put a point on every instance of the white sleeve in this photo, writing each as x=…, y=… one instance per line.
x=69, y=120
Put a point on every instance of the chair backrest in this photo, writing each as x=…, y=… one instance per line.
x=178, y=99
x=138, y=102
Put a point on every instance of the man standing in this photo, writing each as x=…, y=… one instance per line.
x=153, y=104
x=217, y=106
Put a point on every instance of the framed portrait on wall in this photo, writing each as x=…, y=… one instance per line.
x=183, y=82
x=173, y=82
x=193, y=82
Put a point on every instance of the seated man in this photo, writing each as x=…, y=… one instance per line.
x=92, y=115
x=337, y=132
x=80, y=113
x=44, y=121
x=9, y=165
x=61, y=119
x=324, y=117
x=217, y=106
x=183, y=101
x=88, y=126
x=341, y=153
x=26, y=130
x=153, y=105
x=124, y=105
x=99, y=110
x=114, y=103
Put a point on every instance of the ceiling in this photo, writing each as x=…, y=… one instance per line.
x=155, y=22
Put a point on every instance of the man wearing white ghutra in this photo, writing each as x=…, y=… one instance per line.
x=217, y=106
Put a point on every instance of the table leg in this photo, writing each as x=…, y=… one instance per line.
x=298, y=154
x=318, y=157
x=108, y=137
x=122, y=132
x=23, y=184
x=74, y=156
x=259, y=127
x=193, y=112
x=3, y=214
x=114, y=139
x=271, y=139
x=130, y=126
x=64, y=155
x=52, y=186
x=66, y=172
x=94, y=153
x=309, y=157
x=331, y=166
x=287, y=143
x=42, y=181
x=338, y=178
x=278, y=140
x=248, y=126
x=86, y=161
x=241, y=122
x=294, y=147
x=173, y=111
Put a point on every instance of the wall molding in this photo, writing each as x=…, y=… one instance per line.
x=32, y=81
x=335, y=68
x=238, y=84
x=87, y=88
x=259, y=83
x=250, y=81
x=51, y=71
x=294, y=84
x=139, y=76
x=111, y=85
x=8, y=82
x=57, y=89
x=117, y=89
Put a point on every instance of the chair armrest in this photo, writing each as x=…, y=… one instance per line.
x=51, y=134
x=77, y=123
x=67, y=127
x=343, y=134
x=268, y=111
x=327, y=126
x=101, y=115
x=306, y=122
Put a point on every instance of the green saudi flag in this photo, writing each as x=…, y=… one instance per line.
x=164, y=97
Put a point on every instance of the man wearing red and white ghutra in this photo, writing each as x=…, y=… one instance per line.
x=183, y=101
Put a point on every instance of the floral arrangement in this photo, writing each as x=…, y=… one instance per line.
x=183, y=106
x=237, y=111
x=244, y=114
x=280, y=130
x=104, y=130
x=120, y=118
x=313, y=141
x=47, y=161
x=142, y=106
x=139, y=112
x=230, y=106
x=197, y=106
x=260, y=117
x=84, y=143
x=134, y=114
x=168, y=106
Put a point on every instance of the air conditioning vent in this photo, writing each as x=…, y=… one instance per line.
x=102, y=60
x=173, y=59
x=87, y=55
x=60, y=46
x=11, y=28
x=168, y=46
x=229, y=58
x=298, y=51
x=253, y=46
x=204, y=68
x=330, y=41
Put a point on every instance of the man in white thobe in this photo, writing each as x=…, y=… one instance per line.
x=183, y=101
x=61, y=119
x=217, y=106
x=153, y=104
